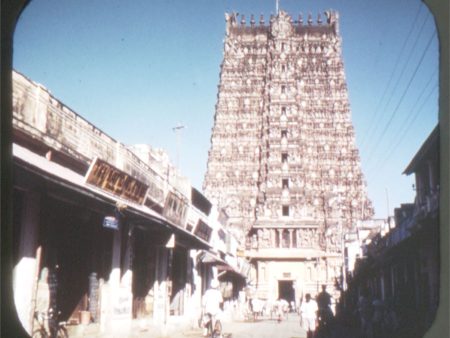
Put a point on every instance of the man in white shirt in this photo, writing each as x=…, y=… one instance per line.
x=211, y=302
x=308, y=313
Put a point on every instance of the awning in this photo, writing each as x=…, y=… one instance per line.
x=208, y=257
x=75, y=182
x=227, y=269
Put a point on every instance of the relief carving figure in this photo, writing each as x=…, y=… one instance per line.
x=266, y=238
x=260, y=238
x=284, y=85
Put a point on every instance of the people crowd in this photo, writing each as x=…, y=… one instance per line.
x=375, y=318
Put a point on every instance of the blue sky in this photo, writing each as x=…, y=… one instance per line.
x=137, y=69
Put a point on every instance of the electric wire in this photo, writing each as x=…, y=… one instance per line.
x=388, y=124
x=411, y=113
x=406, y=128
x=397, y=62
x=373, y=131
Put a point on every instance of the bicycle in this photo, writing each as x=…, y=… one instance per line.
x=57, y=329
x=216, y=331
x=325, y=322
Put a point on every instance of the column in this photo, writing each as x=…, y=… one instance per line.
x=160, y=306
x=291, y=239
x=272, y=238
x=117, y=298
x=25, y=271
x=280, y=238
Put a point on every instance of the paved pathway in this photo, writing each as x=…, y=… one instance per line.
x=267, y=328
x=263, y=328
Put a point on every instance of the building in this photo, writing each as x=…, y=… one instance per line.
x=356, y=241
x=102, y=233
x=283, y=161
x=401, y=267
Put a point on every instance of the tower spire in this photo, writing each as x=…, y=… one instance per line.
x=277, y=6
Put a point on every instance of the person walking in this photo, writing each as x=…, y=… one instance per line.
x=377, y=318
x=324, y=314
x=212, y=300
x=365, y=314
x=308, y=313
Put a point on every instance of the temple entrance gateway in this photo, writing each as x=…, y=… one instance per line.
x=296, y=183
x=286, y=290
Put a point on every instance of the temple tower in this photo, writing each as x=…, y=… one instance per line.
x=283, y=161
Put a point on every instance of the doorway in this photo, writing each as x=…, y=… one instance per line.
x=286, y=290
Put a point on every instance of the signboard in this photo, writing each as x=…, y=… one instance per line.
x=175, y=209
x=111, y=222
x=171, y=242
x=203, y=230
x=123, y=303
x=155, y=193
x=107, y=177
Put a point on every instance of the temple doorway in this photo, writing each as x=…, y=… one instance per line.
x=286, y=290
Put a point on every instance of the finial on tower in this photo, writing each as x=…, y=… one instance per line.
x=310, y=20
x=242, y=20
x=300, y=19
x=252, y=20
x=261, y=20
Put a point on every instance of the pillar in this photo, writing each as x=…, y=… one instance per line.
x=161, y=302
x=117, y=297
x=291, y=239
x=280, y=238
x=25, y=272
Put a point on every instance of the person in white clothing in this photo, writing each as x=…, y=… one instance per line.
x=308, y=313
x=212, y=299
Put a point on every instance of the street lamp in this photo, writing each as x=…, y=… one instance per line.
x=177, y=130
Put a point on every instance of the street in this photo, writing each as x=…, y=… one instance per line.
x=288, y=328
x=266, y=327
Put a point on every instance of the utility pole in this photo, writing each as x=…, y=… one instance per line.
x=177, y=131
x=387, y=202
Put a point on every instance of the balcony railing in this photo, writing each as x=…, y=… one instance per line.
x=42, y=117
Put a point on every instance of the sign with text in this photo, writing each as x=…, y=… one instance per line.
x=103, y=175
x=175, y=209
x=203, y=230
x=111, y=222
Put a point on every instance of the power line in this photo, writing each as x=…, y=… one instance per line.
x=386, y=127
x=414, y=108
x=397, y=62
x=375, y=129
x=405, y=131
x=406, y=124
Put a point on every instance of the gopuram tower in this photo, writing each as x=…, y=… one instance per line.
x=283, y=162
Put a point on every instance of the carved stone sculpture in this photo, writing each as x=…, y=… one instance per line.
x=282, y=91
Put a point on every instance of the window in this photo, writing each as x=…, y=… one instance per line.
x=283, y=110
x=285, y=183
x=284, y=133
x=284, y=157
x=283, y=89
x=283, y=68
x=285, y=210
